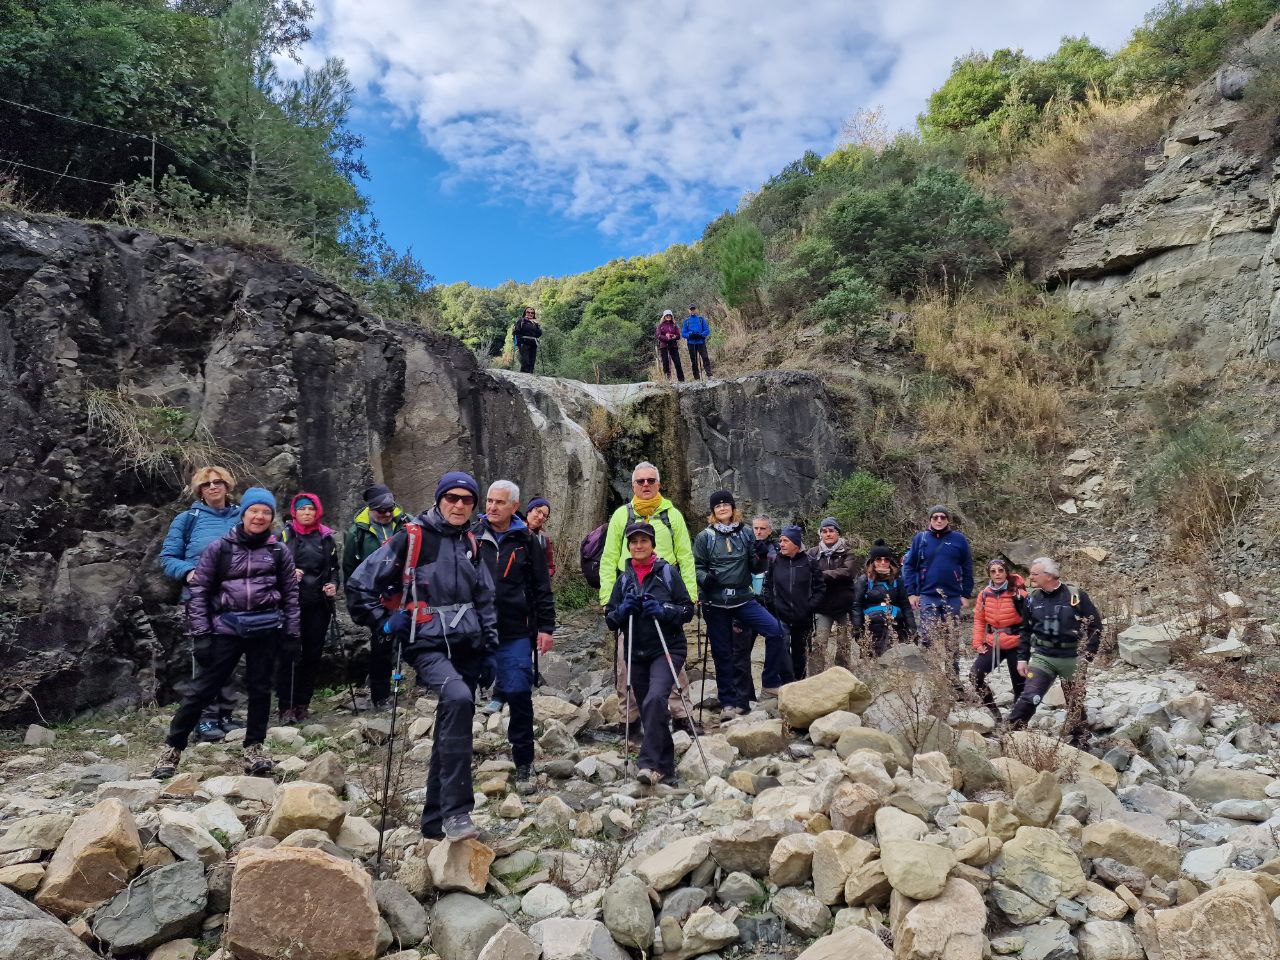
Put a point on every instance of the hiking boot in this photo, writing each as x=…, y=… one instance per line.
x=257, y=762
x=526, y=779
x=732, y=713
x=766, y=692
x=167, y=764
x=689, y=725
x=229, y=723
x=460, y=828
x=493, y=706
x=380, y=706
x=301, y=714
x=287, y=716
x=207, y=731
x=649, y=778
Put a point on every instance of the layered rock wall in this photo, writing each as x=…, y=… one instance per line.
x=306, y=391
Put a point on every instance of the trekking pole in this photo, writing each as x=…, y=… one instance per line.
x=626, y=705
x=396, y=677
x=335, y=638
x=705, y=649
x=666, y=652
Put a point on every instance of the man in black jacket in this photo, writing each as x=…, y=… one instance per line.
x=526, y=614
x=793, y=588
x=446, y=628
x=1057, y=617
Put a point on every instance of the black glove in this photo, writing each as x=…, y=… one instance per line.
x=631, y=606
x=654, y=608
x=486, y=674
x=710, y=582
x=202, y=648
x=290, y=647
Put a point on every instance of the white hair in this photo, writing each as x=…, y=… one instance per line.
x=645, y=465
x=1047, y=565
x=509, y=487
x=765, y=519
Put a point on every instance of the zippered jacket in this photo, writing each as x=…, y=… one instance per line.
x=997, y=616
x=839, y=568
x=665, y=586
x=671, y=543
x=1053, y=622
x=249, y=579
x=453, y=581
x=190, y=532
x=365, y=536
x=793, y=587
x=522, y=583
x=695, y=329
x=725, y=562
x=878, y=600
x=939, y=565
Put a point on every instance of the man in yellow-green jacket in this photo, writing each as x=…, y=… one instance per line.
x=672, y=544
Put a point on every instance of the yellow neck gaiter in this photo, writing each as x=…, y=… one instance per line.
x=646, y=507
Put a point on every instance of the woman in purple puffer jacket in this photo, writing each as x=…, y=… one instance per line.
x=244, y=602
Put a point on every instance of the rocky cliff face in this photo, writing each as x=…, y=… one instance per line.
x=307, y=391
x=1184, y=271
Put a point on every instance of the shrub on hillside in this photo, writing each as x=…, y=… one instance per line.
x=863, y=505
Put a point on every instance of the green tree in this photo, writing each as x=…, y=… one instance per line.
x=740, y=259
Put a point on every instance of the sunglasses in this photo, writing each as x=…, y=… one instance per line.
x=213, y=483
x=466, y=499
x=646, y=481
x=939, y=516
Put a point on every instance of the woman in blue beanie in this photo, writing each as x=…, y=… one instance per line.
x=244, y=603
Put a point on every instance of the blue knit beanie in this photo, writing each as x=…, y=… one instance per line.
x=455, y=479
x=258, y=495
x=538, y=502
x=794, y=533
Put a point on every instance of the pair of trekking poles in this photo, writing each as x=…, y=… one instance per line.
x=675, y=679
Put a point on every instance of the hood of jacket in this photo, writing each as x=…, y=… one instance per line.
x=483, y=531
x=230, y=510
x=293, y=508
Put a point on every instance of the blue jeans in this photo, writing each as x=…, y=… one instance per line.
x=777, y=657
x=940, y=618
x=513, y=670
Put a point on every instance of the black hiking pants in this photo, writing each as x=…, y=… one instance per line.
x=454, y=682
x=697, y=350
x=216, y=664
x=225, y=700
x=671, y=358
x=381, y=652
x=989, y=661
x=799, y=634
x=528, y=355
x=296, y=677
x=652, y=683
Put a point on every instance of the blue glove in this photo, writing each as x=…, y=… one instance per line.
x=398, y=624
x=653, y=608
x=630, y=607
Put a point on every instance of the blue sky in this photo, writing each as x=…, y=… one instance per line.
x=512, y=140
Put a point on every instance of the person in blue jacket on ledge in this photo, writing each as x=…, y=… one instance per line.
x=695, y=332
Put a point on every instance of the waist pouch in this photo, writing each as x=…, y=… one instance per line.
x=254, y=626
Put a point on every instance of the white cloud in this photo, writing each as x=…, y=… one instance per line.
x=642, y=116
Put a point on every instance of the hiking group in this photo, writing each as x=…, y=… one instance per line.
x=467, y=601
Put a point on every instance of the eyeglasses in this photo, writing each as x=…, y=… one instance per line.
x=939, y=516
x=466, y=499
x=213, y=483
x=645, y=481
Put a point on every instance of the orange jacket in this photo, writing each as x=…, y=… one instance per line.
x=995, y=614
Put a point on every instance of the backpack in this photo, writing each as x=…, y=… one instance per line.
x=592, y=548
x=403, y=599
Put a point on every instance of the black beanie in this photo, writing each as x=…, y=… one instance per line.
x=722, y=496
x=379, y=497
x=880, y=550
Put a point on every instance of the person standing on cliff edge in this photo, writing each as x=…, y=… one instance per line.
x=695, y=332
x=527, y=331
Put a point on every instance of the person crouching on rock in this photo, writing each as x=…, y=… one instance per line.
x=649, y=594
x=793, y=588
x=244, y=603
x=448, y=638
x=315, y=558
x=1057, y=618
x=881, y=607
x=725, y=556
x=997, y=630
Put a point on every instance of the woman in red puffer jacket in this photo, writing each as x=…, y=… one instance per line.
x=997, y=624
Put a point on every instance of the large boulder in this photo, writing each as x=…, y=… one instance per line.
x=28, y=933
x=1026, y=743
x=562, y=938
x=747, y=844
x=836, y=855
x=916, y=869
x=185, y=835
x=162, y=906
x=1110, y=838
x=628, y=913
x=1232, y=921
x=42, y=832
x=1215, y=784
x=1108, y=940
x=948, y=927
x=847, y=943
x=757, y=738
x=664, y=869
x=804, y=701
x=94, y=861
x=460, y=865
x=305, y=806
x=1040, y=864
x=406, y=917
x=461, y=926
x=1147, y=644
x=509, y=943
x=295, y=901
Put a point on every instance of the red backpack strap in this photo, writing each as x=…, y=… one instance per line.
x=411, y=555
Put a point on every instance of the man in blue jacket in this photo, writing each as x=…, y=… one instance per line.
x=695, y=332
x=938, y=574
x=209, y=517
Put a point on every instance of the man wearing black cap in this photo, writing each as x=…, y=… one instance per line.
x=373, y=526
x=839, y=569
x=448, y=636
x=793, y=588
x=695, y=332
